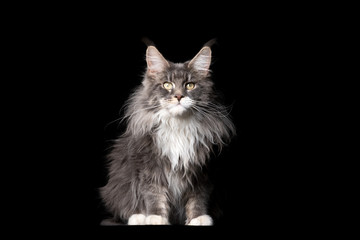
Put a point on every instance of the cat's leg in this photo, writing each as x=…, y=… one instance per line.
x=196, y=212
x=137, y=216
x=157, y=208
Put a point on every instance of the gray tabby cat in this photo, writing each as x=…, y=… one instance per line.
x=156, y=173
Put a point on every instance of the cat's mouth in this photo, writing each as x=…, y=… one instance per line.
x=175, y=107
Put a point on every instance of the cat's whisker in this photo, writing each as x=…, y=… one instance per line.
x=203, y=113
x=114, y=121
x=208, y=109
x=223, y=109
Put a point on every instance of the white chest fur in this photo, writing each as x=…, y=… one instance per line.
x=177, y=139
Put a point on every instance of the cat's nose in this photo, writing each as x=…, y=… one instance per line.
x=179, y=97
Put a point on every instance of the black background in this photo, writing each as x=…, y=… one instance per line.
x=89, y=59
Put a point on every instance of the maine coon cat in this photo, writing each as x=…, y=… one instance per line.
x=156, y=173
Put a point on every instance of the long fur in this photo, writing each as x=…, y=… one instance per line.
x=156, y=165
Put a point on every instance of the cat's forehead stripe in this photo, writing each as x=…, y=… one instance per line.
x=178, y=74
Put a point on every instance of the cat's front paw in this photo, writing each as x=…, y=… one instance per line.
x=137, y=219
x=156, y=220
x=203, y=220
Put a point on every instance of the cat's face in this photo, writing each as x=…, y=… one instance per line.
x=179, y=87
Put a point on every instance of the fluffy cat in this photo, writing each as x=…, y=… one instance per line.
x=156, y=167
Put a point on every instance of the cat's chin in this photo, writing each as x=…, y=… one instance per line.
x=177, y=110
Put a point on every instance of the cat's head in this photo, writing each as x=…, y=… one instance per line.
x=179, y=91
x=178, y=87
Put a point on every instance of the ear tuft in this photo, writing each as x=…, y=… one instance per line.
x=201, y=62
x=155, y=61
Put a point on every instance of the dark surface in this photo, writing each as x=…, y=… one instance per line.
x=89, y=61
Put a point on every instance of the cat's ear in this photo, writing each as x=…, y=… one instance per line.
x=201, y=62
x=155, y=61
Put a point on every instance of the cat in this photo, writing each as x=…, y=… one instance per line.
x=156, y=167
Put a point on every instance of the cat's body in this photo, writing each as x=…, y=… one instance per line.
x=156, y=168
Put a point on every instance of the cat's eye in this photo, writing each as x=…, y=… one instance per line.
x=168, y=85
x=190, y=86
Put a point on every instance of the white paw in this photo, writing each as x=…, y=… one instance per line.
x=156, y=220
x=137, y=219
x=203, y=220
